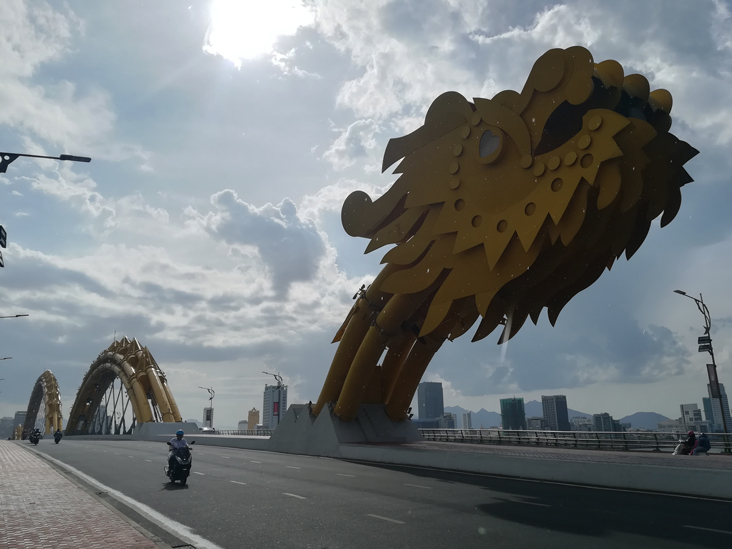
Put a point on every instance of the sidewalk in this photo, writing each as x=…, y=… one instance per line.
x=41, y=509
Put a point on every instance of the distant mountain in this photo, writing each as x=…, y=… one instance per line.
x=644, y=420
x=481, y=417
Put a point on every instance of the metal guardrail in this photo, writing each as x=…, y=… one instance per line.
x=249, y=432
x=597, y=440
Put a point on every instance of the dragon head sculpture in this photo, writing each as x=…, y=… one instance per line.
x=502, y=207
x=521, y=201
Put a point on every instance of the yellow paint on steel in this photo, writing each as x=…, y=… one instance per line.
x=45, y=391
x=143, y=380
x=503, y=207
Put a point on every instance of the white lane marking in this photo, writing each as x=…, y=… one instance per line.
x=418, y=486
x=224, y=457
x=532, y=503
x=200, y=453
x=345, y=475
x=130, y=457
x=149, y=460
x=707, y=529
x=291, y=467
x=384, y=518
x=256, y=462
x=197, y=473
x=294, y=495
x=237, y=482
x=175, y=528
x=116, y=453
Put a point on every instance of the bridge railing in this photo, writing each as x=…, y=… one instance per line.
x=598, y=440
x=246, y=432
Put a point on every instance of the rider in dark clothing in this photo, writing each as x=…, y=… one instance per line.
x=689, y=443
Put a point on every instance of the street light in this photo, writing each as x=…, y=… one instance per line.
x=278, y=379
x=6, y=358
x=15, y=316
x=208, y=413
x=705, y=346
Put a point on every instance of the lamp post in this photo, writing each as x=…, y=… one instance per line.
x=208, y=412
x=705, y=345
x=278, y=378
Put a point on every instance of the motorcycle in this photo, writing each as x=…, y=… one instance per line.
x=57, y=437
x=181, y=459
x=34, y=437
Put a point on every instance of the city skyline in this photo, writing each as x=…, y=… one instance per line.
x=208, y=223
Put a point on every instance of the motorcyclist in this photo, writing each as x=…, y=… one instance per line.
x=36, y=433
x=176, y=442
x=702, y=445
x=58, y=434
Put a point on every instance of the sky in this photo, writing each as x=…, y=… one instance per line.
x=225, y=136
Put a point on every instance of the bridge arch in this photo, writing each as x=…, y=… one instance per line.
x=126, y=378
x=46, y=399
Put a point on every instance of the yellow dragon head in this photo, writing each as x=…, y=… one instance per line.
x=512, y=204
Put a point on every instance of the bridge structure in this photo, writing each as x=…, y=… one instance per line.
x=45, y=400
x=124, y=387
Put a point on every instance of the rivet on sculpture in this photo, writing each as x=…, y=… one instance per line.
x=503, y=207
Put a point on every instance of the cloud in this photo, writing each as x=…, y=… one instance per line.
x=292, y=249
x=355, y=144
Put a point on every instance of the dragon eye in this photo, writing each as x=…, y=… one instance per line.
x=489, y=143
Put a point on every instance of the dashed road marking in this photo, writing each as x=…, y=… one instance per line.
x=149, y=460
x=291, y=467
x=237, y=482
x=130, y=457
x=294, y=495
x=534, y=503
x=255, y=461
x=419, y=486
x=345, y=475
x=197, y=473
x=707, y=529
x=224, y=457
x=384, y=518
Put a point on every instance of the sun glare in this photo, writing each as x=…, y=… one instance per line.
x=245, y=29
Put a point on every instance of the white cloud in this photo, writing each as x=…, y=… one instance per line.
x=355, y=144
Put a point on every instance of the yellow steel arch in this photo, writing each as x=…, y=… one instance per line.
x=144, y=382
x=45, y=392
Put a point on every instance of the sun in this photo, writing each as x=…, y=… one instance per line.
x=245, y=29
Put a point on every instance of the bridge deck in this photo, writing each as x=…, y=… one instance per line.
x=636, y=457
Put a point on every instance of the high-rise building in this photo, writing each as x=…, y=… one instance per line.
x=709, y=414
x=243, y=425
x=429, y=400
x=513, y=414
x=253, y=418
x=690, y=413
x=467, y=420
x=602, y=422
x=554, y=410
x=6, y=427
x=447, y=421
x=274, y=405
x=717, y=411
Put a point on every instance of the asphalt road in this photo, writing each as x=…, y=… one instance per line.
x=245, y=498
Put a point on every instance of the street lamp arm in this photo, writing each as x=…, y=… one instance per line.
x=8, y=158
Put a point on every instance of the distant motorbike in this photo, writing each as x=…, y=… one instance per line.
x=181, y=468
x=34, y=437
x=57, y=437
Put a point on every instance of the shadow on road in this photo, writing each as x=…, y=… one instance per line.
x=173, y=486
x=595, y=512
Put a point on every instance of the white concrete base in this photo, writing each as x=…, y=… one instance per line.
x=301, y=433
x=715, y=483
